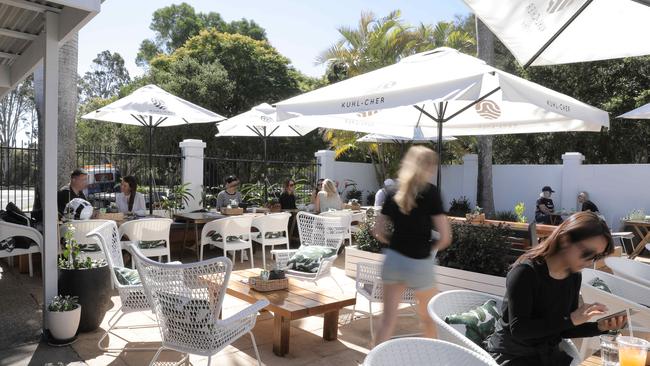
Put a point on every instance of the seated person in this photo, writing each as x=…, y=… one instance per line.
x=129, y=200
x=288, y=197
x=328, y=198
x=78, y=183
x=314, y=194
x=544, y=206
x=587, y=205
x=380, y=196
x=225, y=197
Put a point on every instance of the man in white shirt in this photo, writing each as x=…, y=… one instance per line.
x=380, y=197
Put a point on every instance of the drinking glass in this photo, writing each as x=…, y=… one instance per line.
x=632, y=351
x=609, y=350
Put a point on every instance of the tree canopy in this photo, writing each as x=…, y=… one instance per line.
x=107, y=75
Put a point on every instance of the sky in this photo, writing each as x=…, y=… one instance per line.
x=300, y=30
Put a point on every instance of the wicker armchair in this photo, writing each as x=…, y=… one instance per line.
x=424, y=352
x=187, y=300
x=9, y=230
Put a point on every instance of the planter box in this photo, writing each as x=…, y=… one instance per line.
x=446, y=278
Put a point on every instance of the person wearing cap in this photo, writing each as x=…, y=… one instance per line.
x=78, y=182
x=544, y=206
x=380, y=197
x=225, y=197
x=587, y=205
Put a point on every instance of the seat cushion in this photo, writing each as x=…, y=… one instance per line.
x=127, y=276
x=215, y=236
x=600, y=284
x=479, y=322
x=151, y=244
x=308, y=258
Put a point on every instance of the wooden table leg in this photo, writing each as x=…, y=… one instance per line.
x=644, y=240
x=187, y=225
x=281, y=334
x=198, y=243
x=331, y=325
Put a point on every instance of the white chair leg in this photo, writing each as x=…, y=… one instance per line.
x=354, y=307
x=209, y=360
x=201, y=252
x=252, y=260
x=372, y=330
x=155, y=357
x=31, y=267
x=337, y=283
x=264, y=256
x=257, y=353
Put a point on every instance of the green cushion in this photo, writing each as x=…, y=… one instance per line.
x=217, y=237
x=151, y=244
x=600, y=284
x=479, y=322
x=127, y=276
x=308, y=258
x=92, y=247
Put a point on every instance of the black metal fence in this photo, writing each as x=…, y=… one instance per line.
x=18, y=176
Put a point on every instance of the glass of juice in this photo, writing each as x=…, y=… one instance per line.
x=632, y=351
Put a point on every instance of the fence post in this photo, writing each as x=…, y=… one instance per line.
x=192, y=153
x=568, y=193
x=325, y=160
x=470, y=177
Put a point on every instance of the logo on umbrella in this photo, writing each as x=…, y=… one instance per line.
x=557, y=5
x=158, y=104
x=488, y=109
x=367, y=113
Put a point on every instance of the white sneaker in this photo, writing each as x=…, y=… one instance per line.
x=245, y=255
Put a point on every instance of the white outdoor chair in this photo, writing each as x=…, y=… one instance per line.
x=424, y=352
x=459, y=301
x=630, y=269
x=9, y=230
x=625, y=239
x=370, y=286
x=272, y=224
x=154, y=229
x=625, y=295
x=187, y=305
x=316, y=230
x=234, y=232
x=81, y=230
x=342, y=213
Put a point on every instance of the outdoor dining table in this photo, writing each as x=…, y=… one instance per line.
x=642, y=228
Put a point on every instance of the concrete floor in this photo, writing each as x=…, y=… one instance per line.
x=19, y=340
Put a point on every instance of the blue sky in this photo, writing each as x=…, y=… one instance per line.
x=300, y=30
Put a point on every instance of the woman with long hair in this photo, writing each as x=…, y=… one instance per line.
x=541, y=305
x=414, y=210
x=129, y=199
x=328, y=198
x=288, y=197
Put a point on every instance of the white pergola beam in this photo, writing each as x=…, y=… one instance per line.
x=90, y=6
x=28, y=5
x=16, y=34
x=50, y=109
x=8, y=55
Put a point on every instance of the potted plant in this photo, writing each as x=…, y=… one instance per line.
x=63, y=315
x=86, y=279
x=476, y=215
x=459, y=207
x=176, y=199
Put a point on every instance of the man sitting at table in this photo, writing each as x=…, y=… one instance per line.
x=78, y=182
x=587, y=205
x=544, y=206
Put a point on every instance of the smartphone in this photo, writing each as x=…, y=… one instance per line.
x=620, y=313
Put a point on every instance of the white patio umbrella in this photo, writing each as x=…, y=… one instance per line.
x=548, y=32
x=380, y=139
x=642, y=112
x=150, y=106
x=491, y=103
x=260, y=121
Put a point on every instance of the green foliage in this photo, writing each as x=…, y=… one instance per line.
x=364, y=238
x=520, y=208
x=509, y=216
x=107, y=75
x=370, y=198
x=353, y=194
x=254, y=193
x=63, y=303
x=176, y=199
x=459, y=207
x=71, y=257
x=478, y=248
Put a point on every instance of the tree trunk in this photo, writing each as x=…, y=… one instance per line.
x=485, y=199
x=68, y=97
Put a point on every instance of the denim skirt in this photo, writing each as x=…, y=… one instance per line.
x=417, y=274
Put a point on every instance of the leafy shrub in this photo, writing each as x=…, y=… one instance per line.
x=460, y=206
x=520, y=208
x=506, y=216
x=370, y=198
x=63, y=303
x=353, y=194
x=364, y=238
x=478, y=248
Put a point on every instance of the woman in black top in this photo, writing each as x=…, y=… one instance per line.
x=414, y=209
x=288, y=198
x=541, y=305
x=587, y=205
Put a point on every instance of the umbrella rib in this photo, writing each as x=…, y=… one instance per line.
x=294, y=130
x=255, y=130
x=557, y=34
x=161, y=120
x=435, y=119
x=419, y=118
x=272, y=132
x=470, y=105
x=140, y=119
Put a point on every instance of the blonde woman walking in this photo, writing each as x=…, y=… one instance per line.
x=328, y=198
x=415, y=209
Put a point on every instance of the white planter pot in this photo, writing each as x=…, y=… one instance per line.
x=354, y=256
x=64, y=324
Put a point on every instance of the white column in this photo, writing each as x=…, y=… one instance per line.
x=49, y=152
x=325, y=159
x=192, y=152
x=568, y=193
x=470, y=177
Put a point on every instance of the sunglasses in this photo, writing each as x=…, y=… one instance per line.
x=590, y=255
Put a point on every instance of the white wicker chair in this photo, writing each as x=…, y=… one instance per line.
x=230, y=227
x=342, y=213
x=271, y=224
x=424, y=352
x=370, y=286
x=153, y=229
x=630, y=269
x=321, y=231
x=187, y=305
x=9, y=230
x=132, y=297
x=459, y=301
x=81, y=230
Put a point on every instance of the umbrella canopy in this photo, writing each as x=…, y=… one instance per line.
x=642, y=112
x=419, y=137
x=151, y=106
x=260, y=121
x=547, y=32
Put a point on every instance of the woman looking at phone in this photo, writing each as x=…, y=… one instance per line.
x=541, y=305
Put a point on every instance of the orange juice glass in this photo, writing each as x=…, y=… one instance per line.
x=632, y=351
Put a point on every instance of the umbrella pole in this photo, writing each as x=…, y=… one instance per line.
x=150, y=170
x=266, y=168
x=440, y=117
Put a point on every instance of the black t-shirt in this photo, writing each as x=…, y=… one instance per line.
x=546, y=202
x=412, y=232
x=66, y=195
x=287, y=201
x=589, y=206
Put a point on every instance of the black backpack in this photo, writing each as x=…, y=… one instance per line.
x=14, y=215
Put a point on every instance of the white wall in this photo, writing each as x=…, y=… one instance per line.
x=361, y=173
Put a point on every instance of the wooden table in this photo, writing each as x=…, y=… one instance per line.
x=300, y=300
x=642, y=229
x=592, y=361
